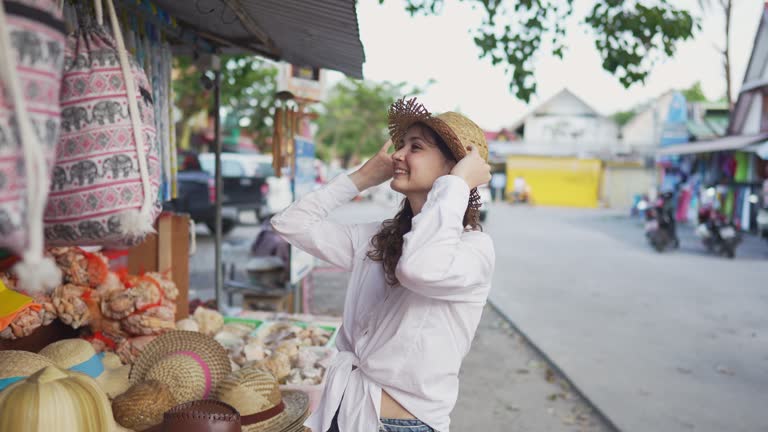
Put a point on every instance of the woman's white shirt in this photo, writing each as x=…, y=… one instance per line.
x=409, y=339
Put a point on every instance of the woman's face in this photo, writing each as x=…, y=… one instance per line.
x=418, y=162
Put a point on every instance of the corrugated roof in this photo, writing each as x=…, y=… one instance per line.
x=307, y=33
x=728, y=143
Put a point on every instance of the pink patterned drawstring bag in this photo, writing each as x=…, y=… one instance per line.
x=32, y=36
x=104, y=188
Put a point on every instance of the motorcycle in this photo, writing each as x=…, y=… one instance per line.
x=659, y=225
x=762, y=223
x=716, y=233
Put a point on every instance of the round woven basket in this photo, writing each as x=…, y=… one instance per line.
x=143, y=405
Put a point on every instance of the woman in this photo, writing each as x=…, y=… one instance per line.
x=419, y=281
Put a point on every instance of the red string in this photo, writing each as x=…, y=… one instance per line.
x=100, y=336
x=158, y=303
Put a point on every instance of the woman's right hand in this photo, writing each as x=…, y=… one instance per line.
x=376, y=171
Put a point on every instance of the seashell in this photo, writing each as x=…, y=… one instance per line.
x=241, y=330
x=254, y=351
x=279, y=364
x=232, y=342
x=70, y=305
x=289, y=348
x=307, y=358
x=187, y=324
x=210, y=321
x=295, y=377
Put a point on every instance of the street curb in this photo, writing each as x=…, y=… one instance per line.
x=556, y=368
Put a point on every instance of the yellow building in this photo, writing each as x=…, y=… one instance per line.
x=558, y=181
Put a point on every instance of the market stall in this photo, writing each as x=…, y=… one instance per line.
x=93, y=277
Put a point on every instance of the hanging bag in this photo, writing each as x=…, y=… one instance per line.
x=106, y=179
x=32, y=39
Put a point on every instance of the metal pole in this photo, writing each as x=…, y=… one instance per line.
x=216, y=63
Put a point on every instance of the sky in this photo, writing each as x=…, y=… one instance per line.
x=399, y=47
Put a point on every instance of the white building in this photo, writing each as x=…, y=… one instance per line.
x=642, y=134
x=565, y=125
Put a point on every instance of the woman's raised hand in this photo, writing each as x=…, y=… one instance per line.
x=376, y=171
x=473, y=168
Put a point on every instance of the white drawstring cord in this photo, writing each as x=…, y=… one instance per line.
x=36, y=272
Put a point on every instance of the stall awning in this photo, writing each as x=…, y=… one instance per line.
x=728, y=143
x=306, y=33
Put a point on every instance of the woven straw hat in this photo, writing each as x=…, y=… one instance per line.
x=79, y=355
x=17, y=365
x=44, y=399
x=143, y=405
x=255, y=393
x=455, y=129
x=201, y=415
x=190, y=363
x=182, y=366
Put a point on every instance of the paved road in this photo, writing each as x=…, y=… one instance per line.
x=659, y=342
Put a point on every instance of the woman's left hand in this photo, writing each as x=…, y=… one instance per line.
x=473, y=168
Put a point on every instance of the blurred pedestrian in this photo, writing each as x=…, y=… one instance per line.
x=498, y=186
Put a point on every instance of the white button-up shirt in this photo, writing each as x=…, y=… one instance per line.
x=410, y=339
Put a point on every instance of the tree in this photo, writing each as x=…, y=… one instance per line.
x=630, y=35
x=623, y=117
x=352, y=121
x=726, y=6
x=248, y=86
x=694, y=93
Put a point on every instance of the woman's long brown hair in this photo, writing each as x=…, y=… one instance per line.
x=387, y=244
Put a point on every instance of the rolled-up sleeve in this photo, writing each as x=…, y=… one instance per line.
x=440, y=259
x=303, y=224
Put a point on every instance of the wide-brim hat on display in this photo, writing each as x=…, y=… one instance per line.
x=455, y=129
x=17, y=365
x=56, y=399
x=178, y=366
x=208, y=415
x=79, y=355
x=256, y=395
x=190, y=363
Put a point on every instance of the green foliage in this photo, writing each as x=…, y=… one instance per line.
x=630, y=35
x=623, y=117
x=353, y=119
x=248, y=85
x=694, y=93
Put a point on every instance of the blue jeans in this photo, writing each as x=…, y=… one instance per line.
x=391, y=425
x=403, y=425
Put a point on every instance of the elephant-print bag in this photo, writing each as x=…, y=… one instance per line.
x=32, y=36
x=104, y=188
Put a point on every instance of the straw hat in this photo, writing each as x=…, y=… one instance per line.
x=190, y=363
x=143, y=405
x=56, y=399
x=209, y=415
x=79, y=355
x=455, y=129
x=255, y=393
x=17, y=365
x=176, y=367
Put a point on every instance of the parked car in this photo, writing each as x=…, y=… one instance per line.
x=249, y=183
x=197, y=196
